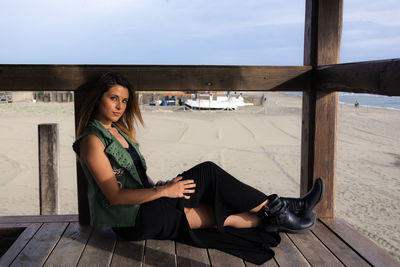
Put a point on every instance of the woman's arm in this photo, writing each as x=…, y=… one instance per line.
x=93, y=156
x=159, y=183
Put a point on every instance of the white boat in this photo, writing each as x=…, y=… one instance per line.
x=222, y=103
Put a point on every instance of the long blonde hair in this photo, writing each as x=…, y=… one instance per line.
x=91, y=95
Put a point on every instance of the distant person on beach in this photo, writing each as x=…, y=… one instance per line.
x=356, y=104
x=203, y=206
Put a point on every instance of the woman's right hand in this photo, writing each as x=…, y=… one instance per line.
x=178, y=188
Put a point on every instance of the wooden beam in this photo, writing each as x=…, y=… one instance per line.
x=319, y=124
x=82, y=184
x=373, y=77
x=37, y=218
x=158, y=77
x=308, y=105
x=49, y=168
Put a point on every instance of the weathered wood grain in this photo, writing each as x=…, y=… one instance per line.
x=331, y=243
x=313, y=250
x=375, y=255
x=307, y=141
x=346, y=255
x=38, y=219
x=325, y=150
x=128, y=253
x=372, y=77
x=286, y=253
x=99, y=249
x=14, y=225
x=222, y=259
x=319, y=117
x=309, y=98
x=49, y=168
x=270, y=263
x=191, y=256
x=159, y=253
x=157, y=77
x=70, y=247
x=40, y=246
x=20, y=243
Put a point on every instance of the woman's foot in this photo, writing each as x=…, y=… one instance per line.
x=278, y=218
x=303, y=207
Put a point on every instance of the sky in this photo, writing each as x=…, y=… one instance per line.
x=189, y=32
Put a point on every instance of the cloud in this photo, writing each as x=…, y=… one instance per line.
x=374, y=42
x=151, y=29
x=382, y=12
x=370, y=30
x=379, y=17
x=179, y=31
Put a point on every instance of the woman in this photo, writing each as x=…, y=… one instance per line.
x=203, y=206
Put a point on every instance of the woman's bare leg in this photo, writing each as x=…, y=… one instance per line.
x=243, y=220
x=200, y=217
x=203, y=217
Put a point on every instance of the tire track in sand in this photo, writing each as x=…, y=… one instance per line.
x=268, y=154
x=283, y=131
x=9, y=169
x=219, y=133
x=183, y=134
x=246, y=128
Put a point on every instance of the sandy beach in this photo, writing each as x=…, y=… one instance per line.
x=259, y=145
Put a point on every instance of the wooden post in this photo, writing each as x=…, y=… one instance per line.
x=83, y=202
x=319, y=124
x=49, y=155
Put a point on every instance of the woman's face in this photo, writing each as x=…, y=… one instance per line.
x=112, y=104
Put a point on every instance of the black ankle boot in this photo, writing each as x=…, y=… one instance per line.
x=303, y=207
x=278, y=218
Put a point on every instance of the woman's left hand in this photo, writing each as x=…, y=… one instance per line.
x=177, y=188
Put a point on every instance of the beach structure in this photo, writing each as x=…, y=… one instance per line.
x=67, y=240
x=221, y=103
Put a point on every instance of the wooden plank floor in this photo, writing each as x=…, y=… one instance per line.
x=62, y=241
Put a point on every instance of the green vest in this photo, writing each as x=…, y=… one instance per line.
x=102, y=214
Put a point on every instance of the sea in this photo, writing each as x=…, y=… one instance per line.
x=381, y=101
x=367, y=100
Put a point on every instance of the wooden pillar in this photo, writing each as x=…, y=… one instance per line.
x=323, y=27
x=83, y=202
x=49, y=157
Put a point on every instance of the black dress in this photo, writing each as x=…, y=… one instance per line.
x=164, y=218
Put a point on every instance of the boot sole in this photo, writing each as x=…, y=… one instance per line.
x=286, y=230
x=275, y=228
